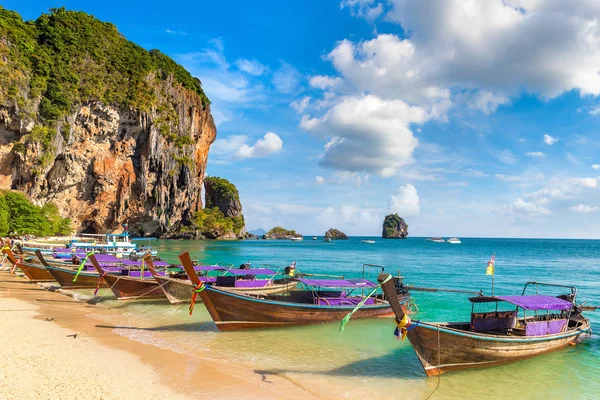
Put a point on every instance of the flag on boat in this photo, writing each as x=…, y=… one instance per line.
x=490, y=265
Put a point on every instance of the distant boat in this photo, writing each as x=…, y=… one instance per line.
x=296, y=239
x=314, y=238
x=327, y=240
x=454, y=240
x=368, y=241
x=436, y=240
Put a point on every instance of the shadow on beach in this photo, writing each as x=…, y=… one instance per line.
x=186, y=327
x=400, y=363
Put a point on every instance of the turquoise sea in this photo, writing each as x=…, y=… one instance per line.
x=367, y=360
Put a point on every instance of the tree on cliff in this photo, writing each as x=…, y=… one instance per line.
x=18, y=216
x=394, y=227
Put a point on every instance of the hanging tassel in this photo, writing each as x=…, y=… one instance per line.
x=197, y=289
x=98, y=284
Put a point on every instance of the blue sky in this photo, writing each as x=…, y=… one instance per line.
x=468, y=118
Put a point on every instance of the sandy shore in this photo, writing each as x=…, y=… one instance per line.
x=40, y=360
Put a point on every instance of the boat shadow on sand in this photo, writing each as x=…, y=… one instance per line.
x=398, y=363
x=185, y=327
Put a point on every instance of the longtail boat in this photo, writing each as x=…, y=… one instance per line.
x=502, y=329
x=180, y=290
x=138, y=284
x=65, y=276
x=34, y=272
x=233, y=311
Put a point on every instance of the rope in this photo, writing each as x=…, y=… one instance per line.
x=359, y=305
x=439, y=364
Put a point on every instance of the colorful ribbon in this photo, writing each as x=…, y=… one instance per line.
x=82, y=265
x=359, y=305
x=197, y=289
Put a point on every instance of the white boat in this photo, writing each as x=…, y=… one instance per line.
x=314, y=238
x=327, y=240
x=296, y=239
x=436, y=240
x=368, y=241
x=454, y=240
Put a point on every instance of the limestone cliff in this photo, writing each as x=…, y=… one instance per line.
x=107, y=131
x=336, y=234
x=394, y=227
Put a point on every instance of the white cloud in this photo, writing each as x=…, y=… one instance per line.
x=367, y=9
x=549, y=140
x=595, y=110
x=286, y=79
x=535, y=154
x=406, y=202
x=596, y=166
x=344, y=177
x=506, y=156
x=319, y=180
x=367, y=134
x=485, y=101
x=586, y=182
x=582, y=208
x=349, y=218
x=324, y=82
x=235, y=146
x=475, y=173
x=175, y=32
x=300, y=105
x=269, y=144
x=251, y=67
x=520, y=206
x=508, y=178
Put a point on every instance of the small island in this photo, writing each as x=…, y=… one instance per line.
x=335, y=234
x=394, y=227
x=281, y=233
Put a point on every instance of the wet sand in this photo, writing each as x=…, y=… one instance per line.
x=41, y=358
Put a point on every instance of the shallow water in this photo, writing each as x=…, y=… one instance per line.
x=367, y=360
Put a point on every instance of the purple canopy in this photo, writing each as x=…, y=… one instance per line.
x=251, y=271
x=537, y=302
x=147, y=274
x=208, y=268
x=338, y=283
x=130, y=263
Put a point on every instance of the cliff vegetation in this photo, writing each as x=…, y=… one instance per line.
x=281, y=233
x=394, y=227
x=336, y=234
x=18, y=216
x=106, y=130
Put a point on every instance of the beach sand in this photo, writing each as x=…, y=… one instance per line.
x=40, y=360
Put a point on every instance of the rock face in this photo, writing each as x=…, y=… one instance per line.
x=394, y=227
x=334, y=234
x=105, y=158
x=281, y=233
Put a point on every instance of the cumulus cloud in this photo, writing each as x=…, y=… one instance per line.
x=582, y=208
x=406, y=202
x=286, y=78
x=350, y=218
x=251, y=67
x=300, y=105
x=549, y=140
x=534, y=154
x=485, y=101
x=596, y=166
x=324, y=82
x=319, y=180
x=367, y=134
x=270, y=143
x=520, y=206
x=235, y=146
x=367, y=9
x=586, y=182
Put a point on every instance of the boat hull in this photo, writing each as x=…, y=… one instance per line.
x=85, y=280
x=180, y=291
x=233, y=311
x=35, y=272
x=461, y=349
x=127, y=288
